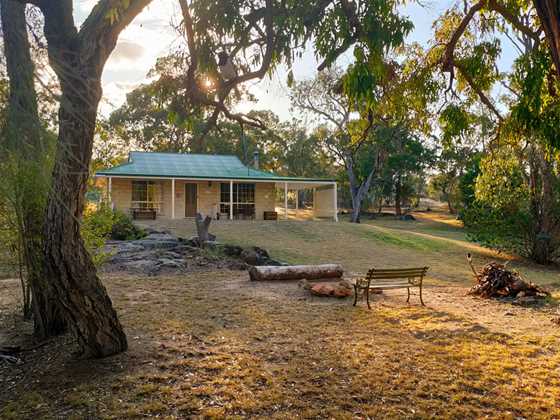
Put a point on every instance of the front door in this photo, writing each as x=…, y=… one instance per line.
x=190, y=200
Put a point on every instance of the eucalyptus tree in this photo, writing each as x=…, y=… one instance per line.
x=78, y=57
x=526, y=114
x=254, y=38
x=25, y=156
x=267, y=33
x=362, y=130
x=407, y=156
x=349, y=139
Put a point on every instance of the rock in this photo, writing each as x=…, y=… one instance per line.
x=232, y=250
x=341, y=289
x=173, y=255
x=130, y=256
x=322, y=289
x=143, y=266
x=249, y=256
x=257, y=256
x=160, y=237
x=194, y=241
x=509, y=313
x=170, y=263
x=156, y=244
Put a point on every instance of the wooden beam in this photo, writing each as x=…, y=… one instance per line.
x=173, y=198
x=286, y=200
x=335, y=202
x=230, y=200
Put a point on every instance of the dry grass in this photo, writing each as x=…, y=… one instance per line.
x=434, y=239
x=215, y=345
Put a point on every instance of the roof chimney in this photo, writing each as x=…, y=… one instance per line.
x=256, y=159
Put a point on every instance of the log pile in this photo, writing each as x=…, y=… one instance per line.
x=494, y=280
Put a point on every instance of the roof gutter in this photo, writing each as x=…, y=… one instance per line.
x=194, y=178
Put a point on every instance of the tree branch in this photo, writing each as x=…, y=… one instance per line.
x=100, y=31
x=485, y=100
x=447, y=59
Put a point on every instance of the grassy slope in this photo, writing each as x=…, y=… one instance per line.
x=434, y=239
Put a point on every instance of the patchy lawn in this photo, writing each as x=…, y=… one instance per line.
x=216, y=345
x=434, y=239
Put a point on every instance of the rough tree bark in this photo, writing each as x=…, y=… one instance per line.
x=202, y=227
x=398, y=196
x=544, y=213
x=549, y=15
x=78, y=59
x=358, y=190
x=24, y=144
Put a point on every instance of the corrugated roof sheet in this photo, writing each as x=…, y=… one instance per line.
x=185, y=165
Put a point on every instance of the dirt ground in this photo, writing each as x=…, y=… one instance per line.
x=215, y=345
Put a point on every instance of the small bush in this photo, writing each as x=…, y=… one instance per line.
x=102, y=223
x=499, y=229
x=123, y=228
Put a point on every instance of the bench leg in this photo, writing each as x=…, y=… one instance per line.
x=367, y=298
x=408, y=291
x=421, y=300
x=355, y=295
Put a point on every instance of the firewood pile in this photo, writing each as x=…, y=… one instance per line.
x=494, y=280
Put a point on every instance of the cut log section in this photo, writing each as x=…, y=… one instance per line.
x=296, y=272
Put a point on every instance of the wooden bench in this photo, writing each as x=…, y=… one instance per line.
x=394, y=278
x=144, y=214
x=270, y=215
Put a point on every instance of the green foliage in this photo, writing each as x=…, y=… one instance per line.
x=100, y=224
x=499, y=228
x=467, y=182
x=537, y=111
x=501, y=181
x=95, y=230
x=123, y=229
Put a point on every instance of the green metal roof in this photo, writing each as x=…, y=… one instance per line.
x=185, y=165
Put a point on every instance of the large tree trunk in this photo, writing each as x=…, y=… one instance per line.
x=86, y=303
x=549, y=15
x=25, y=148
x=357, y=190
x=78, y=59
x=543, y=245
x=398, y=210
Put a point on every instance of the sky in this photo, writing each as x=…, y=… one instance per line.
x=151, y=35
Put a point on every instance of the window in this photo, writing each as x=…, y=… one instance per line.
x=145, y=194
x=243, y=200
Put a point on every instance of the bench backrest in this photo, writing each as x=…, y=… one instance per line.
x=381, y=275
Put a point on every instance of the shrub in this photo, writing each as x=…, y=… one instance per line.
x=505, y=230
x=102, y=223
x=96, y=229
x=123, y=229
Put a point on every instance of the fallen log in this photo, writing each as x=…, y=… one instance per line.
x=296, y=272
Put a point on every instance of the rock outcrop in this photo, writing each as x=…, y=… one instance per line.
x=160, y=252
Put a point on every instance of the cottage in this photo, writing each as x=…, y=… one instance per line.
x=179, y=185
